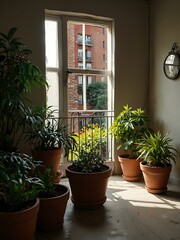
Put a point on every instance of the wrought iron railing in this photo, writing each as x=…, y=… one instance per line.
x=91, y=128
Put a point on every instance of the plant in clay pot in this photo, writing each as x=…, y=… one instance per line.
x=88, y=177
x=19, y=203
x=49, y=138
x=53, y=202
x=128, y=128
x=157, y=155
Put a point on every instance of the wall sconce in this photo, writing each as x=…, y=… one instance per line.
x=172, y=63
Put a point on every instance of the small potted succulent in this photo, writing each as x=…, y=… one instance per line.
x=19, y=202
x=53, y=201
x=48, y=138
x=128, y=128
x=157, y=154
x=88, y=177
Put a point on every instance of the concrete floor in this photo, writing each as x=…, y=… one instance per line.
x=130, y=213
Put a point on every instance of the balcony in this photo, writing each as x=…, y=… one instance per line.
x=91, y=128
x=87, y=42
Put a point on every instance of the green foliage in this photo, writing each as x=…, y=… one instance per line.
x=92, y=136
x=89, y=161
x=156, y=150
x=97, y=95
x=129, y=127
x=91, y=147
x=17, y=77
x=45, y=132
x=18, y=189
x=48, y=186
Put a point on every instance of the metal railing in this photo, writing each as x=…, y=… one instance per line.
x=92, y=130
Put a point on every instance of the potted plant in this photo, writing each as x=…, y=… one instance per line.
x=88, y=178
x=19, y=204
x=156, y=153
x=17, y=77
x=53, y=201
x=128, y=128
x=48, y=138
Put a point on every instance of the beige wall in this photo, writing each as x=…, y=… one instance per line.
x=164, y=98
x=131, y=66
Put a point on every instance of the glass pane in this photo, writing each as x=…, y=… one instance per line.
x=74, y=38
x=87, y=92
x=96, y=92
x=96, y=47
x=87, y=46
x=53, y=91
x=51, y=43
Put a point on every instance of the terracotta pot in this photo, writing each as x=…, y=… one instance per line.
x=52, y=210
x=49, y=158
x=156, y=178
x=130, y=168
x=19, y=225
x=88, y=189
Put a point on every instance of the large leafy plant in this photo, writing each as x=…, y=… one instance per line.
x=17, y=77
x=128, y=128
x=156, y=150
x=18, y=187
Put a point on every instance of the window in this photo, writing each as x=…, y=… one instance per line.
x=79, y=70
x=79, y=38
x=78, y=62
x=88, y=55
x=103, y=44
x=80, y=54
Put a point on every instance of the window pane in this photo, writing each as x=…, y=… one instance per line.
x=96, y=93
x=53, y=91
x=74, y=35
x=87, y=46
x=87, y=92
x=51, y=43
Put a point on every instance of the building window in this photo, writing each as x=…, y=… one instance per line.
x=80, y=54
x=89, y=80
x=88, y=56
x=103, y=44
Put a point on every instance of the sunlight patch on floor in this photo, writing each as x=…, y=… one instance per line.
x=137, y=195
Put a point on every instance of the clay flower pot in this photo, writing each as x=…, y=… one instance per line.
x=130, y=168
x=52, y=210
x=49, y=158
x=19, y=225
x=88, y=189
x=156, y=178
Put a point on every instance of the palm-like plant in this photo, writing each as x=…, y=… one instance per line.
x=156, y=150
x=44, y=132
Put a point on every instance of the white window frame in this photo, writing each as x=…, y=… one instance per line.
x=63, y=70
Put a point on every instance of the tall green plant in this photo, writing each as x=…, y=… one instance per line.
x=17, y=77
x=128, y=128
